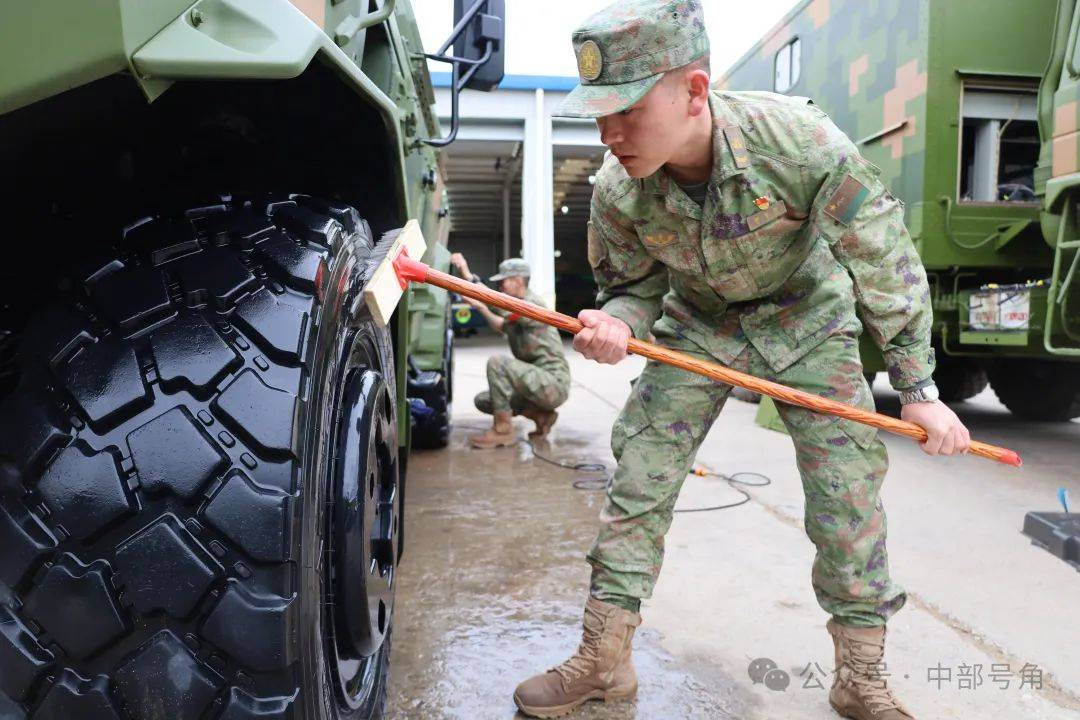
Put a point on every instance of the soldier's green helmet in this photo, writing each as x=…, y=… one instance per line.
x=623, y=50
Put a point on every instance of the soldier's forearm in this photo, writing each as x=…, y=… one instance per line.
x=493, y=320
x=638, y=313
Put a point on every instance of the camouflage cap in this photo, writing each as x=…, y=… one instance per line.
x=623, y=50
x=513, y=267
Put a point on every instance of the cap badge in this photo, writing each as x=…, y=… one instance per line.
x=589, y=61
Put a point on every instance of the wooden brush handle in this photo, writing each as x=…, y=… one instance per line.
x=674, y=358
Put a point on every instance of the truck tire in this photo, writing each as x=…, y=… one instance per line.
x=199, y=474
x=1037, y=389
x=958, y=379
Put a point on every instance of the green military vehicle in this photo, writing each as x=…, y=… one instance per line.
x=958, y=102
x=203, y=434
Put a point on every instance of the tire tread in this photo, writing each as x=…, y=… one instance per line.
x=150, y=470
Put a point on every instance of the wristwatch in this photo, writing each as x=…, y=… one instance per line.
x=927, y=393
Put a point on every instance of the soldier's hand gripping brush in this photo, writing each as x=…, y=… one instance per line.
x=399, y=268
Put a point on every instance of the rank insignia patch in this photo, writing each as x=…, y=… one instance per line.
x=737, y=144
x=775, y=210
x=846, y=201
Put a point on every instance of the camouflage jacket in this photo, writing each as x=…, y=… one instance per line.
x=534, y=342
x=797, y=230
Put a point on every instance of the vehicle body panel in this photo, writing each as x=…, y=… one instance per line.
x=48, y=48
x=906, y=80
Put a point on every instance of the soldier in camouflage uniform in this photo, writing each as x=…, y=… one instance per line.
x=743, y=228
x=536, y=380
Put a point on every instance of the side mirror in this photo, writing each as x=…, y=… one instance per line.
x=477, y=61
x=486, y=26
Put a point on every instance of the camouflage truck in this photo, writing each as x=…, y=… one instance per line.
x=956, y=101
x=203, y=434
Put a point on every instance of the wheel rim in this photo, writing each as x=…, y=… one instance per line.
x=364, y=527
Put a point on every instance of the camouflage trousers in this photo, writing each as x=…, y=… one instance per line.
x=512, y=383
x=842, y=464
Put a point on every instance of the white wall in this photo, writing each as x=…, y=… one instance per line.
x=538, y=31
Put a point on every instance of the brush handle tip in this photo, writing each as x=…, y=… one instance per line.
x=1010, y=457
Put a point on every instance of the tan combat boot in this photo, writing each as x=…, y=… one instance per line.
x=600, y=669
x=859, y=690
x=501, y=433
x=544, y=419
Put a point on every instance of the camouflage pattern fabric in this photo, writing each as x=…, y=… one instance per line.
x=538, y=372
x=482, y=401
x=513, y=383
x=797, y=228
x=842, y=464
x=623, y=50
x=867, y=65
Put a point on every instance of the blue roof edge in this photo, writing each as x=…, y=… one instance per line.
x=519, y=82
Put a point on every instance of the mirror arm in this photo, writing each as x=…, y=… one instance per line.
x=466, y=18
x=458, y=82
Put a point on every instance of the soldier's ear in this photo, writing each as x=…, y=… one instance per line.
x=697, y=87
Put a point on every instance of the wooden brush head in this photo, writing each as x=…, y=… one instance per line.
x=384, y=288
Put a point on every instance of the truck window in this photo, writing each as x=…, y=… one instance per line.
x=788, y=66
x=999, y=145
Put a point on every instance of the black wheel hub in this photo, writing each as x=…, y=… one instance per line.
x=365, y=520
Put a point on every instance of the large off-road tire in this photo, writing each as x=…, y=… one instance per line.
x=199, y=478
x=958, y=379
x=1037, y=389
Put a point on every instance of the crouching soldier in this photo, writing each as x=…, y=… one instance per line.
x=533, y=382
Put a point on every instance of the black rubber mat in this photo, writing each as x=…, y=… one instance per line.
x=1058, y=533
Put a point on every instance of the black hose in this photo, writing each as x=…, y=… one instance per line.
x=731, y=480
x=588, y=467
x=603, y=483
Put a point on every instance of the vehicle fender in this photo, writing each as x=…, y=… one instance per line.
x=245, y=39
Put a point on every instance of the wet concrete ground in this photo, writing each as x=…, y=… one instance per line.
x=493, y=581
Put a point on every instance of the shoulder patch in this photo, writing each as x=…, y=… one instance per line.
x=846, y=200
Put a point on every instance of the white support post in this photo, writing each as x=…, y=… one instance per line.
x=985, y=180
x=506, y=218
x=538, y=228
